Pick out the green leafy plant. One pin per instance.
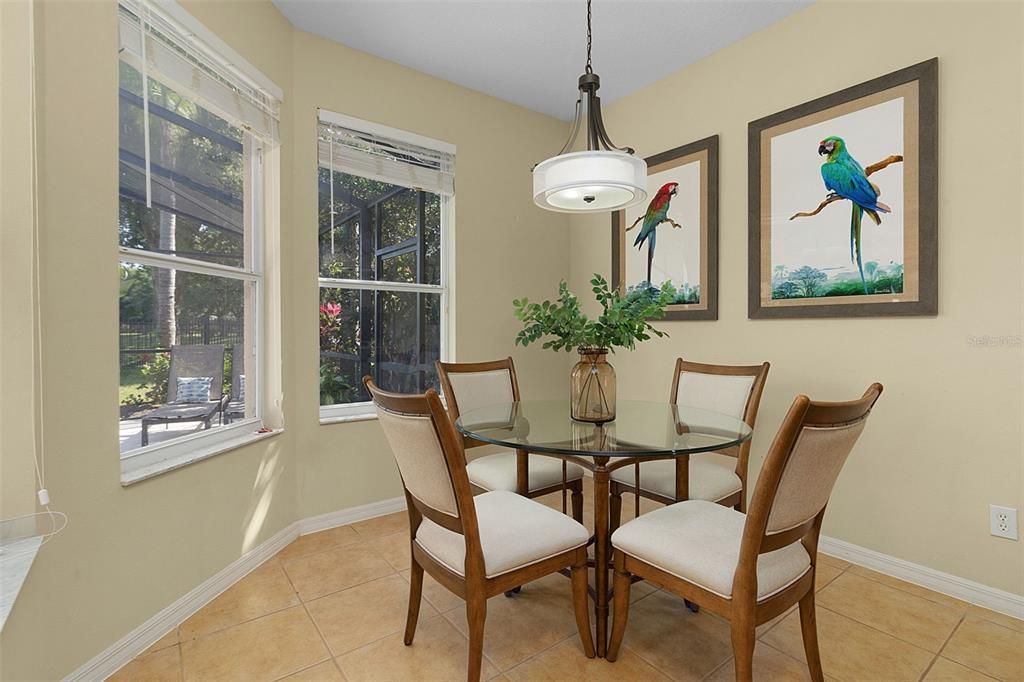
(333, 387)
(624, 320)
(157, 373)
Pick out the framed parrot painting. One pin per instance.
(842, 202)
(672, 239)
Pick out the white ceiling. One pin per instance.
(531, 52)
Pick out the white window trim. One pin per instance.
(143, 463)
(354, 412)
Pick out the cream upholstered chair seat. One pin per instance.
(498, 471)
(538, 532)
(712, 477)
(699, 541)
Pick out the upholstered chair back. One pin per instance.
(802, 466)
(420, 459)
(811, 472)
(428, 453)
(734, 390)
(715, 392)
(472, 385)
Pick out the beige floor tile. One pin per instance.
(682, 644)
(265, 590)
(357, 616)
(263, 649)
(1001, 618)
(824, 573)
(769, 664)
(438, 596)
(852, 650)
(160, 666)
(394, 548)
(439, 652)
(923, 592)
(537, 618)
(170, 639)
(318, 542)
(834, 561)
(913, 619)
(382, 525)
(989, 648)
(321, 672)
(566, 662)
(316, 575)
(945, 670)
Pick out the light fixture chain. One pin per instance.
(589, 39)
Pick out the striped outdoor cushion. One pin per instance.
(193, 390)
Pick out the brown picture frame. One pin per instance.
(705, 150)
(923, 78)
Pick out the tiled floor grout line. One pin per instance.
(946, 643)
(536, 655)
(327, 647)
(872, 627)
(444, 615)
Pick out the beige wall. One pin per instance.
(945, 439)
(128, 552)
(17, 426)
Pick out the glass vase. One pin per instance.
(592, 387)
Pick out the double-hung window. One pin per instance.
(384, 226)
(195, 129)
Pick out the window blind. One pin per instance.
(377, 155)
(155, 44)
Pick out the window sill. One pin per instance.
(364, 417)
(134, 474)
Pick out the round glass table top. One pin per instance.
(640, 429)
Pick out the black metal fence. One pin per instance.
(137, 339)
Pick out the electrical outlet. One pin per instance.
(1003, 521)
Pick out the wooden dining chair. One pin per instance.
(712, 476)
(473, 385)
(749, 568)
(477, 547)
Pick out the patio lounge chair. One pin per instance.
(190, 361)
(235, 408)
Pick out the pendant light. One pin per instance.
(602, 178)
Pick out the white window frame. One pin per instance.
(349, 412)
(151, 460)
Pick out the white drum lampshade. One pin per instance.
(590, 181)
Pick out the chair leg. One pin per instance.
(476, 614)
(743, 649)
(415, 597)
(620, 607)
(581, 605)
(809, 630)
(577, 501)
(614, 507)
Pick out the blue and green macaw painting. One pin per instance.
(845, 179)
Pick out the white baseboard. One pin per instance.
(114, 657)
(343, 517)
(946, 583)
